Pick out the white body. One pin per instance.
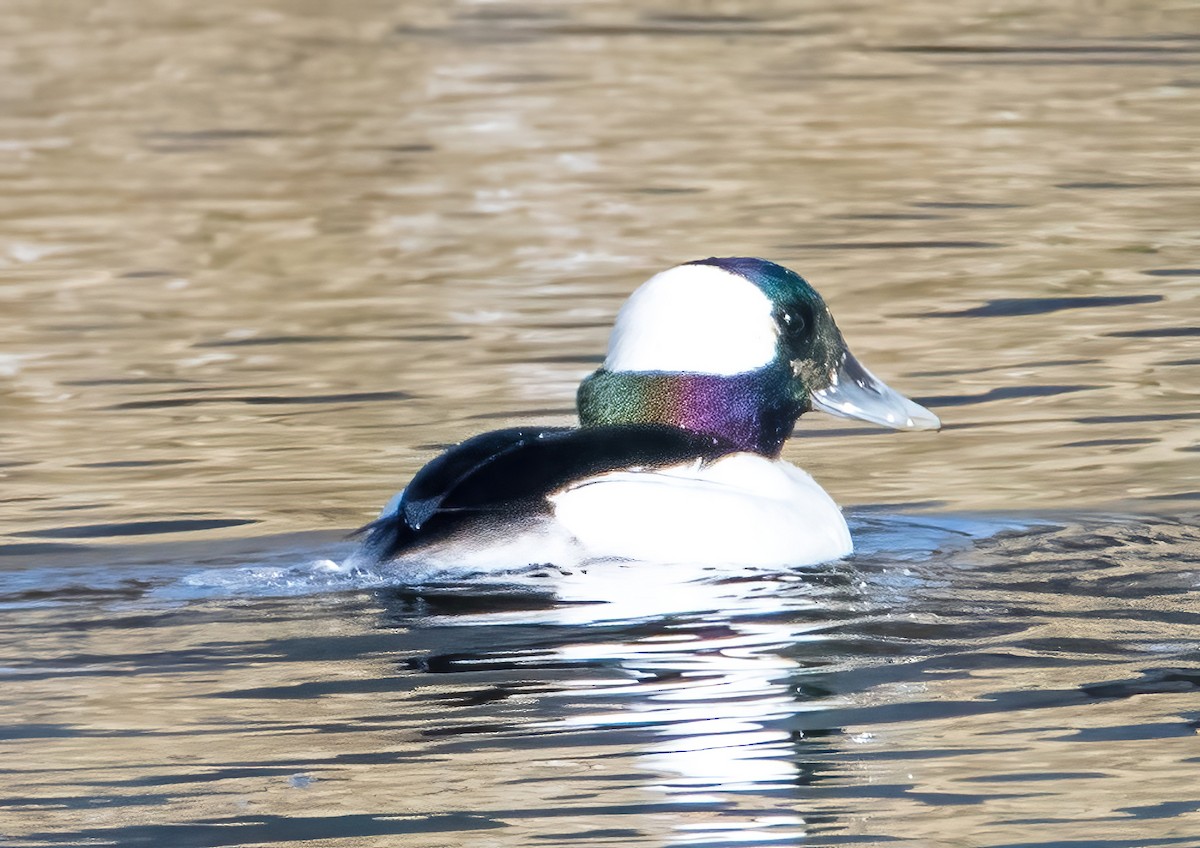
(741, 510)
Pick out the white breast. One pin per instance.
(743, 509)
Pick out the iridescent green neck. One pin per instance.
(756, 410)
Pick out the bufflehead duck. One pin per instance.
(709, 366)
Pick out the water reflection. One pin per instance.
(703, 673)
(781, 708)
(713, 704)
(959, 674)
(697, 701)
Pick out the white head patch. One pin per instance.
(698, 319)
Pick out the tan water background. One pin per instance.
(258, 259)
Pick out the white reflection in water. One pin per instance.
(714, 704)
(716, 698)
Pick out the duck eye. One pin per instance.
(793, 322)
(789, 321)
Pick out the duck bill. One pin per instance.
(855, 392)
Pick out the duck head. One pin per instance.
(738, 348)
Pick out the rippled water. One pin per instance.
(257, 264)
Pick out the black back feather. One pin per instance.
(508, 474)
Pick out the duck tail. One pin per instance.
(382, 538)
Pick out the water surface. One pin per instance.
(258, 264)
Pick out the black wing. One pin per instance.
(506, 474)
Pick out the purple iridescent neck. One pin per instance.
(754, 410)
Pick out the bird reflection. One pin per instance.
(705, 682)
(707, 679)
